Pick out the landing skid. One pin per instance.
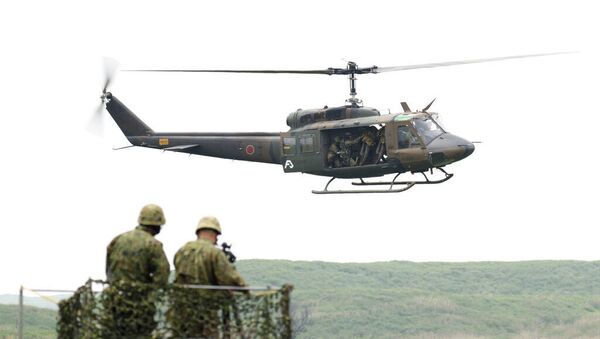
(391, 189)
(447, 177)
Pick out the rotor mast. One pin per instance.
(353, 100)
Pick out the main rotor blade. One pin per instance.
(351, 69)
(459, 62)
(269, 71)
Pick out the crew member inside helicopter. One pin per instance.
(406, 138)
(366, 141)
(380, 150)
(333, 153)
(364, 149)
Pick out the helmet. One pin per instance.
(210, 223)
(152, 215)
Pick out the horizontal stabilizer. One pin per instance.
(180, 147)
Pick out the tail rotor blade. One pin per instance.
(110, 69)
(96, 123)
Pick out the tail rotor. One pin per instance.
(96, 123)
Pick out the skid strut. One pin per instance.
(447, 177)
(391, 189)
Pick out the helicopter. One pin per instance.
(343, 142)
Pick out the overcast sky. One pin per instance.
(528, 192)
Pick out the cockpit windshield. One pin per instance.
(427, 129)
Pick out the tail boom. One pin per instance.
(257, 147)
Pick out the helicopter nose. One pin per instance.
(469, 149)
(449, 148)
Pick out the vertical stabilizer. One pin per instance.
(128, 122)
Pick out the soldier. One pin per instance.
(333, 158)
(136, 266)
(380, 149)
(366, 141)
(135, 255)
(199, 262)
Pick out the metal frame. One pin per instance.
(427, 181)
(21, 319)
(407, 184)
(389, 190)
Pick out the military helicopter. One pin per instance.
(348, 142)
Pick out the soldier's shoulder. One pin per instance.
(123, 236)
(189, 245)
(136, 236)
(153, 241)
(208, 249)
(208, 246)
(216, 253)
(141, 234)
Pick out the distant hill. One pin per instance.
(542, 299)
(13, 299)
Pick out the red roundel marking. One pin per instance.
(250, 149)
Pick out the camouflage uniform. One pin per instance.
(136, 256)
(367, 141)
(199, 262)
(381, 149)
(333, 154)
(136, 266)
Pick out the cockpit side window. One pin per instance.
(427, 129)
(406, 138)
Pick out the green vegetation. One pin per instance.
(553, 299)
(39, 323)
(537, 299)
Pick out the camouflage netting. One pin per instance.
(135, 310)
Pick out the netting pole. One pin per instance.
(20, 323)
(285, 310)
